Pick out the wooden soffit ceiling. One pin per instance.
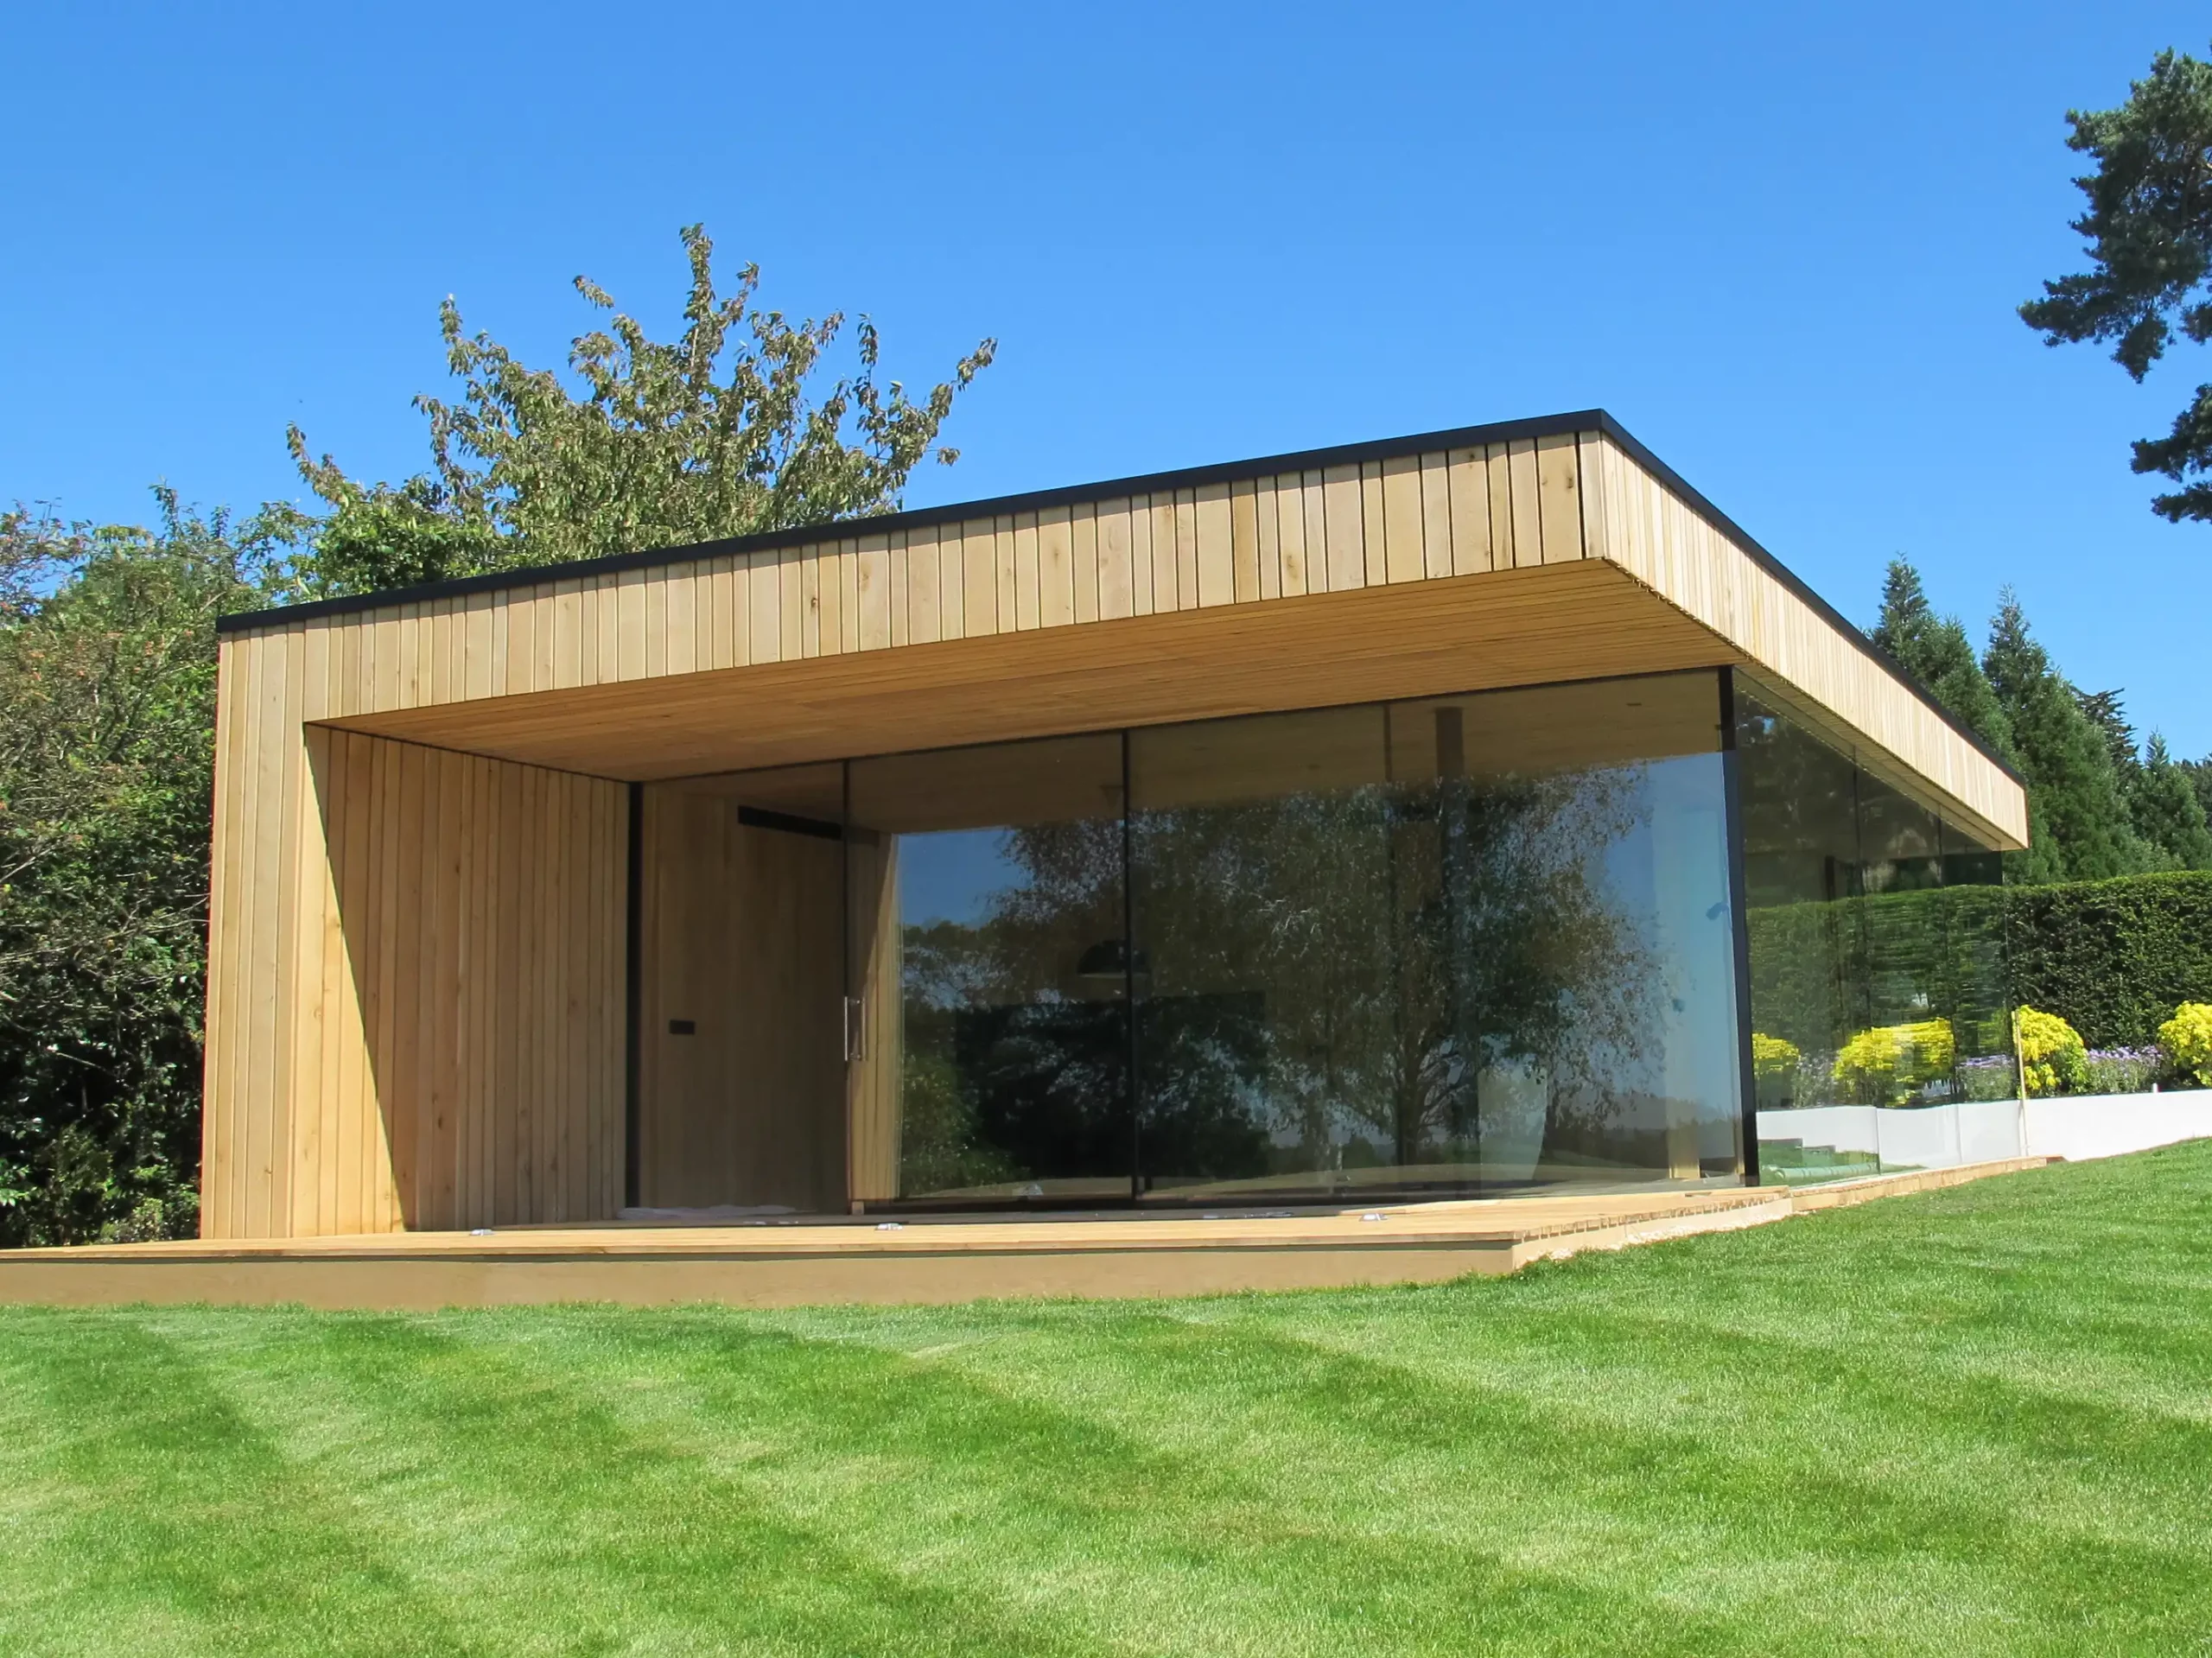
(1580, 620)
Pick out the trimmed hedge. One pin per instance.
(1822, 972)
(2112, 958)
(2115, 957)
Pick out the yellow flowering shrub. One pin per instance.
(1774, 1069)
(2187, 1039)
(1774, 1058)
(1885, 1065)
(2052, 1056)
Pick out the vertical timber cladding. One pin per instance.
(751, 1001)
(415, 972)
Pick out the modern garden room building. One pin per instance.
(1469, 815)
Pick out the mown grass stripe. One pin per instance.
(170, 1521)
(1971, 1421)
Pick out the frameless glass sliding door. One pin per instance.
(1461, 945)
(1472, 944)
(1000, 871)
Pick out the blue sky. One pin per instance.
(1782, 243)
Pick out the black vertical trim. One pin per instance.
(633, 952)
(1130, 975)
(1731, 769)
(845, 985)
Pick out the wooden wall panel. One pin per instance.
(1435, 516)
(1587, 617)
(1470, 496)
(1558, 506)
(740, 942)
(414, 973)
(1373, 530)
(1403, 553)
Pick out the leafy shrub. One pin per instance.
(156, 1218)
(1991, 1076)
(1773, 1057)
(2052, 1056)
(107, 695)
(1774, 1064)
(1887, 1064)
(2186, 1040)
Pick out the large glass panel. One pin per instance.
(1881, 1029)
(1467, 944)
(987, 888)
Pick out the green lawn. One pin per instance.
(1975, 1421)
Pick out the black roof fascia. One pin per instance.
(1584, 420)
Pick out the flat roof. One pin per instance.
(1570, 423)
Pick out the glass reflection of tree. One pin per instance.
(1015, 1061)
(1322, 978)
(1356, 959)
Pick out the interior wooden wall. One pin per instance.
(415, 995)
(740, 939)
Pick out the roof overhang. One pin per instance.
(1535, 553)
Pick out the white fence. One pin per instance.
(2105, 1125)
(1979, 1131)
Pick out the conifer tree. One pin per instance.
(2163, 803)
(2199, 773)
(2148, 227)
(2109, 715)
(1935, 652)
(2068, 762)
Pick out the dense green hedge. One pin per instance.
(2114, 957)
(1821, 971)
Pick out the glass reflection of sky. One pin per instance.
(953, 876)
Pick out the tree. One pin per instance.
(2199, 773)
(2109, 715)
(378, 536)
(718, 433)
(2161, 798)
(107, 690)
(107, 680)
(2149, 230)
(1935, 652)
(2066, 759)
(2163, 804)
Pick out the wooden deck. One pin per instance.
(804, 1261)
